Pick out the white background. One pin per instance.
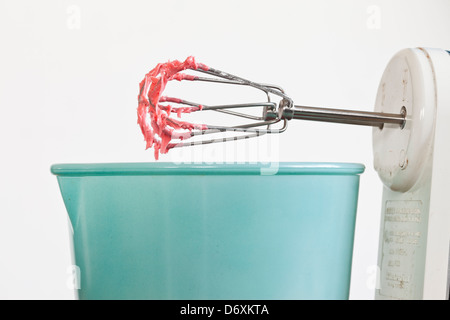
(69, 74)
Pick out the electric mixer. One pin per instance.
(410, 155)
(412, 163)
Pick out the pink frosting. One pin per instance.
(154, 119)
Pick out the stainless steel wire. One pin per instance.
(273, 113)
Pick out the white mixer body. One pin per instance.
(413, 164)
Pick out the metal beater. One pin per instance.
(273, 113)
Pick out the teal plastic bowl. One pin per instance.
(167, 231)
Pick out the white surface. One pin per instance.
(69, 73)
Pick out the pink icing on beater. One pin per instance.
(154, 118)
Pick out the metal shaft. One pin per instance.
(375, 119)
